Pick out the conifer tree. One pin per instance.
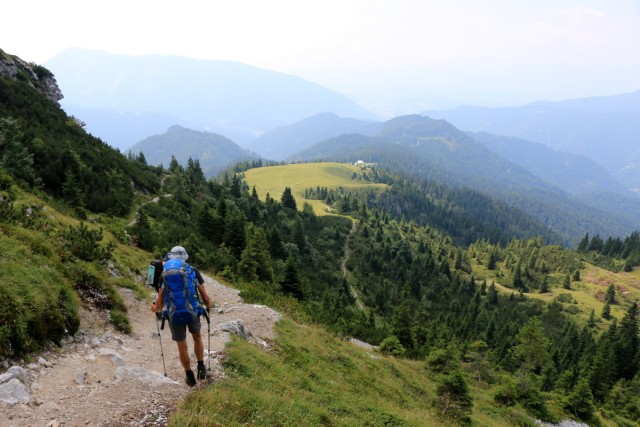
(255, 261)
(72, 191)
(291, 282)
(606, 311)
(174, 166)
(195, 177)
(236, 186)
(580, 401)
(592, 319)
(603, 369)
(287, 199)
(14, 156)
(234, 233)
(583, 246)
(141, 158)
(627, 343)
(403, 327)
(299, 237)
(453, 398)
(544, 286)
(610, 296)
(517, 282)
(533, 346)
(493, 294)
(492, 262)
(576, 275)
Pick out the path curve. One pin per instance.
(343, 263)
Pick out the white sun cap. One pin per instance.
(178, 252)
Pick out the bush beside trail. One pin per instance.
(37, 303)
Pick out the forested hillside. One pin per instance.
(437, 151)
(45, 149)
(214, 152)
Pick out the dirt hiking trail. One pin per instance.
(102, 377)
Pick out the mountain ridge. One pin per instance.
(213, 151)
(215, 95)
(437, 150)
(278, 143)
(603, 129)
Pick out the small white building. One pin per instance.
(359, 163)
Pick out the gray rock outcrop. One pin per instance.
(235, 327)
(34, 75)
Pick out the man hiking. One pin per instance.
(178, 295)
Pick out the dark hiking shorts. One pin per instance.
(179, 333)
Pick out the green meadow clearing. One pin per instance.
(274, 179)
(585, 295)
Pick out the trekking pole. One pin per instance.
(205, 313)
(161, 351)
(160, 337)
(206, 316)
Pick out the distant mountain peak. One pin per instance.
(230, 98)
(215, 152)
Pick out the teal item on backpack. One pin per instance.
(154, 272)
(180, 293)
(151, 271)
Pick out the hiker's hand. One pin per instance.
(154, 308)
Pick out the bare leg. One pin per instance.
(183, 351)
(198, 346)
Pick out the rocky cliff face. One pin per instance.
(34, 75)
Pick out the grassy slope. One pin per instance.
(313, 378)
(40, 264)
(298, 177)
(587, 294)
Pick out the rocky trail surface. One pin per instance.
(101, 377)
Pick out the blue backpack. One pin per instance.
(180, 294)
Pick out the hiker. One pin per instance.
(178, 327)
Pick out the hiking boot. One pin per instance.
(191, 379)
(202, 372)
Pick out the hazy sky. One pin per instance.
(391, 56)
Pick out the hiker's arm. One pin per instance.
(155, 307)
(203, 292)
(204, 295)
